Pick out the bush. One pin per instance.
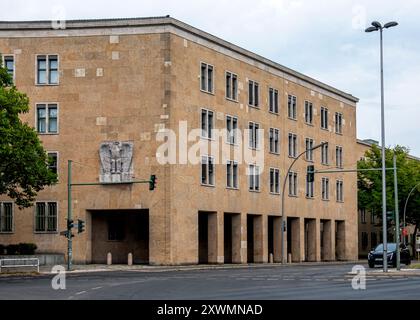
(12, 249)
(27, 248)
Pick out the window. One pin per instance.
(309, 188)
(362, 215)
(53, 158)
(373, 239)
(274, 181)
(365, 240)
(274, 140)
(206, 123)
(372, 217)
(338, 123)
(309, 144)
(231, 86)
(339, 191)
(324, 118)
(291, 106)
(253, 94)
(232, 174)
(254, 178)
(207, 171)
(46, 217)
(6, 217)
(47, 118)
(206, 78)
(116, 229)
(325, 187)
(339, 156)
(273, 103)
(292, 145)
(231, 128)
(47, 69)
(324, 154)
(9, 64)
(253, 135)
(309, 110)
(292, 184)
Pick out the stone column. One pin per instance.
(215, 237)
(340, 240)
(260, 239)
(297, 237)
(311, 239)
(327, 240)
(237, 234)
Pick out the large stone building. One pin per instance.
(104, 92)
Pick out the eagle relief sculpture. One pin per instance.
(116, 161)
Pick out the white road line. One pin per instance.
(81, 292)
(96, 288)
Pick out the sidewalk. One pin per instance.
(148, 268)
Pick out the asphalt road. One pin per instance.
(325, 282)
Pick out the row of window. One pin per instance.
(232, 180)
(207, 85)
(45, 217)
(46, 68)
(365, 240)
(207, 125)
(363, 216)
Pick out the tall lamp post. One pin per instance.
(405, 206)
(283, 218)
(376, 26)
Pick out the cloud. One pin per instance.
(322, 38)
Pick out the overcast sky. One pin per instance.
(321, 38)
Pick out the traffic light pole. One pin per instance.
(70, 184)
(69, 214)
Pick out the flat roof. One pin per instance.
(168, 21)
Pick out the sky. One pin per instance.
(324, 39)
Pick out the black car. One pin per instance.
(375, 257)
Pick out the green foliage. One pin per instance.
(21, 248)
(23, 161)
(370, 182)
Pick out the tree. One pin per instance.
(370, 183)
(24, 164)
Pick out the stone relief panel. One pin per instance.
(116, 161)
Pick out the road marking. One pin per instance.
(96, 288)
(81, 292)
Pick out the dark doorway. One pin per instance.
(120, 232)
(270, 233)
(203, 244)
(250, 238)
(228, 237)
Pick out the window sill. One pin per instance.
(207, 138)
(208, 92)
(232, 100)
(340, 201)
(293, 119)
(325, 200)
(254, 107)
(325, 129)
(46, 232)
(310, 198)
(208, 185)
(273, 113)
(232, 188)
(7, 232)
(311, 161)
(309, 124)
(48, 133)
(292, 196)
(47, 84)
(274, 153)
(255, 191)
(275, 193)
(339, 133)
(292, 157)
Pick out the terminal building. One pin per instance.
(110, 94)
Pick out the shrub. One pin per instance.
(27, 248)
(12, 249)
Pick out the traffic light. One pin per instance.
(152, 182)
(80, 226)
(390, 215)
(310, 173)
(70, 224)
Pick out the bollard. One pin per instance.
(130, 259)
(271, 258)
(109, 258)
(289, 258)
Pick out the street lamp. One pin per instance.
(405, 206)
(376, 26)
(283, 218)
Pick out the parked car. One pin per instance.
(375, 257)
